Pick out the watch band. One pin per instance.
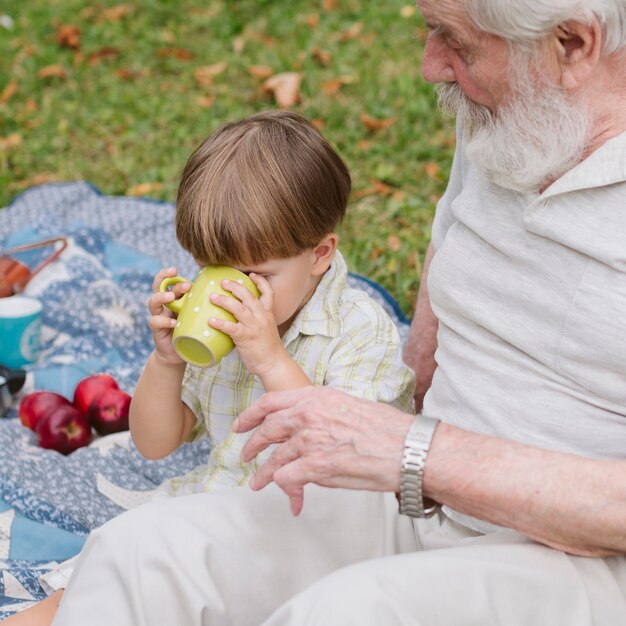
(416, 447)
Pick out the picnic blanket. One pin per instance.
(94, 320)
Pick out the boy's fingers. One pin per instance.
(157, 300)
(239, 291)
(267, 293)
(166, 272)
(225, 326)
(159, 322)
(232, 305)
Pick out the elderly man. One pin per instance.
(523, 435)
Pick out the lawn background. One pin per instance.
(120, 94)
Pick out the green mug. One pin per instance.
(193, 339)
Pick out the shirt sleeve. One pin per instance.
(367, 361)
(444, 216)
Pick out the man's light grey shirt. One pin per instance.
(530, 292)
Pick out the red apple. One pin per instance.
(38, 404)
(65, 429)
(88, 388)
(108, 412)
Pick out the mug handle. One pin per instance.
(176, 305)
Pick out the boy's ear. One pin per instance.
(324, 253)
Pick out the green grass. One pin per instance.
(133, 116)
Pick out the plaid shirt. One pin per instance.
(340, 338)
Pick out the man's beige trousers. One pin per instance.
(240, 558)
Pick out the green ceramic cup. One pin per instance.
(193, 339)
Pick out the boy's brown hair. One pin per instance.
(265, 187)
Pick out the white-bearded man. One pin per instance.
(522, 439)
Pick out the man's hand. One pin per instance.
(326, 437)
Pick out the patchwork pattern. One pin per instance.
(94, 320)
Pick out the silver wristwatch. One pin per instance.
(416, 447)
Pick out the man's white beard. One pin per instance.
(531, 141)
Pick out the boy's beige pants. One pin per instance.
(240, 558)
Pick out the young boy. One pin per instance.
(264, 195)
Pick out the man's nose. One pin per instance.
(436, 66)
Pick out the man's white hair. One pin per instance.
(525, 21)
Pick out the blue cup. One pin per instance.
(20, 330)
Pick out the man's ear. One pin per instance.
(578, 47)
(324, 253)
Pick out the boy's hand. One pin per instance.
(163, 320)
(255, 333)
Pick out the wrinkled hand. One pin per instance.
(326, 437)
(255, 332)
(162, 320)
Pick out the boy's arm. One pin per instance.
(285, 374)
(159, 420)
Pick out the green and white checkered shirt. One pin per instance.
(340, 338)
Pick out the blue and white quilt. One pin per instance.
(94, 320)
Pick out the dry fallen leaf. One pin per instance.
(177, 53)
(329, 5)
(117, 12)
(11, 141)
(239, 43)
(352, 33)
(323, 57)
(260, 71)
(144, 188)
(375, 253)
(394, 243)
(205, 102)
(127, 74)
(52, 71)
(285, 88)
(204, 75)
(363, 144)
(330, 87)
(37, 179)
(432, 170)
(317, 123)
(408, 10)
(68, 36)
(313, 21)
(373, 124)
(378, 188)
(102, 54)
(9, 91)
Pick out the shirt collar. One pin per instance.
(321, 314)
(604, 166)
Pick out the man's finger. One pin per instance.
(267, 404)
(275, 428)
(282, 455)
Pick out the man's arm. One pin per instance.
(419, 352)
(327, 437)
(565, 501)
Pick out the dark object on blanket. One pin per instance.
(11, 381)
(15, 275)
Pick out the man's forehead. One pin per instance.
(449, 13)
